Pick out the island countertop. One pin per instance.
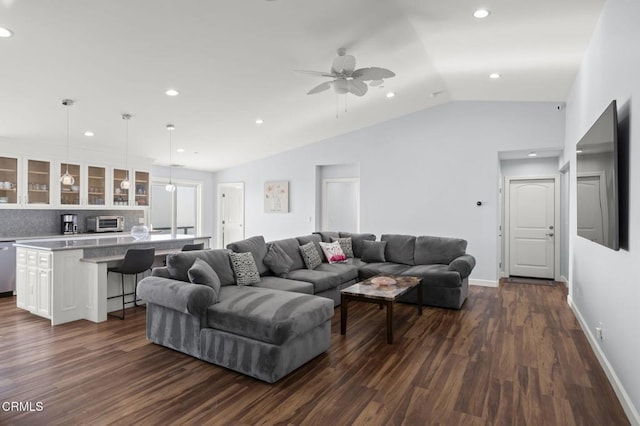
(102, 242)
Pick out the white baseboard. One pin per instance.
(621, 393)
(483, 283)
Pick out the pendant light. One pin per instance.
(170, 186)
(66, 178)
(126, 184)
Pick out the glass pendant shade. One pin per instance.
(170, 187)
(125, 183)
(67, 179)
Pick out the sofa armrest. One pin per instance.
(161, 271)
(178, 295)
(463, 265)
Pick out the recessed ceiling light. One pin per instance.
(259, 121)
(172, 92)
(89, 133)
(494, 75)
(180, 150)
(481, 13)
(532, 154)
(5, 32)
(390, 95)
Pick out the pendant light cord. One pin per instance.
(67, 105)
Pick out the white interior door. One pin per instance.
(230, 213)
(532, 228)
(592, 194)
(341, 204)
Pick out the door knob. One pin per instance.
(550, 234)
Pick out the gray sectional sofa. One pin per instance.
(268, 328)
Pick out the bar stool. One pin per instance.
(135, 262)
(192, 247)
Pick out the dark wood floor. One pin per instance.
(512, 356)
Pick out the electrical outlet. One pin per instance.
(599, 331)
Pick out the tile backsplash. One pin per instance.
(39, 223)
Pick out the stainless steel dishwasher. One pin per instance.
(7, 268)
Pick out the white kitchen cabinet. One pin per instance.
(33, 281)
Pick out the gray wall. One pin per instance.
(604, 283)
(420, 174)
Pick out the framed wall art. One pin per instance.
(276, 197)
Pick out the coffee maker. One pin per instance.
(69, 224)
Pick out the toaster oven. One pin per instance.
(105, 224)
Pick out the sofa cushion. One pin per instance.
(321, 280)
(291, 246)
(356, 241)
(346, 272)
(285, 284)
(178, 264)
(333, 252)
(311, 256)
(435, 275)
(400, 248)
(244, 267)
(380, 268)
(356, 262)
(267, 315)
(278, 260)
(373, 251)
(201, 273)
(256, 246)
(327, 236)
(345, 244)
(443, 250)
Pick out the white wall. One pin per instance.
(208, 193)
(420, 174)
(604, 283)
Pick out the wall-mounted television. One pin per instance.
(597, 177)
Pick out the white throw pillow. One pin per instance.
(333, 252)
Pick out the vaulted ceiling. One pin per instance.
(234, 62)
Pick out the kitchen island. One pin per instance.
(66, 279)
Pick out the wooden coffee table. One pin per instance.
(382, 290)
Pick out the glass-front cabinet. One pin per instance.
(120, 195)
(70, 194)
(142, 189)
(97, 186)
(38, 182)
(8, 180)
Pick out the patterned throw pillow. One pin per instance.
(333, 252)
(310, 255)
(345, 244)
(244, 268)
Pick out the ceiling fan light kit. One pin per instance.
(348, 79)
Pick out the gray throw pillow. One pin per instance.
(202, 273)
(278, 260)
(345, 244)
(373, 251)
(310, 255)
(244, 268)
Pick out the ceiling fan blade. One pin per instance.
(320, 88)
(357, 87)
(375, 83)
(343, 64)
(373, 73)
(316, 73)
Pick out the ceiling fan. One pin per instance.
(347, 79)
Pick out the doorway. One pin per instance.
(532, 206)
(341, 204)
(230, 213)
